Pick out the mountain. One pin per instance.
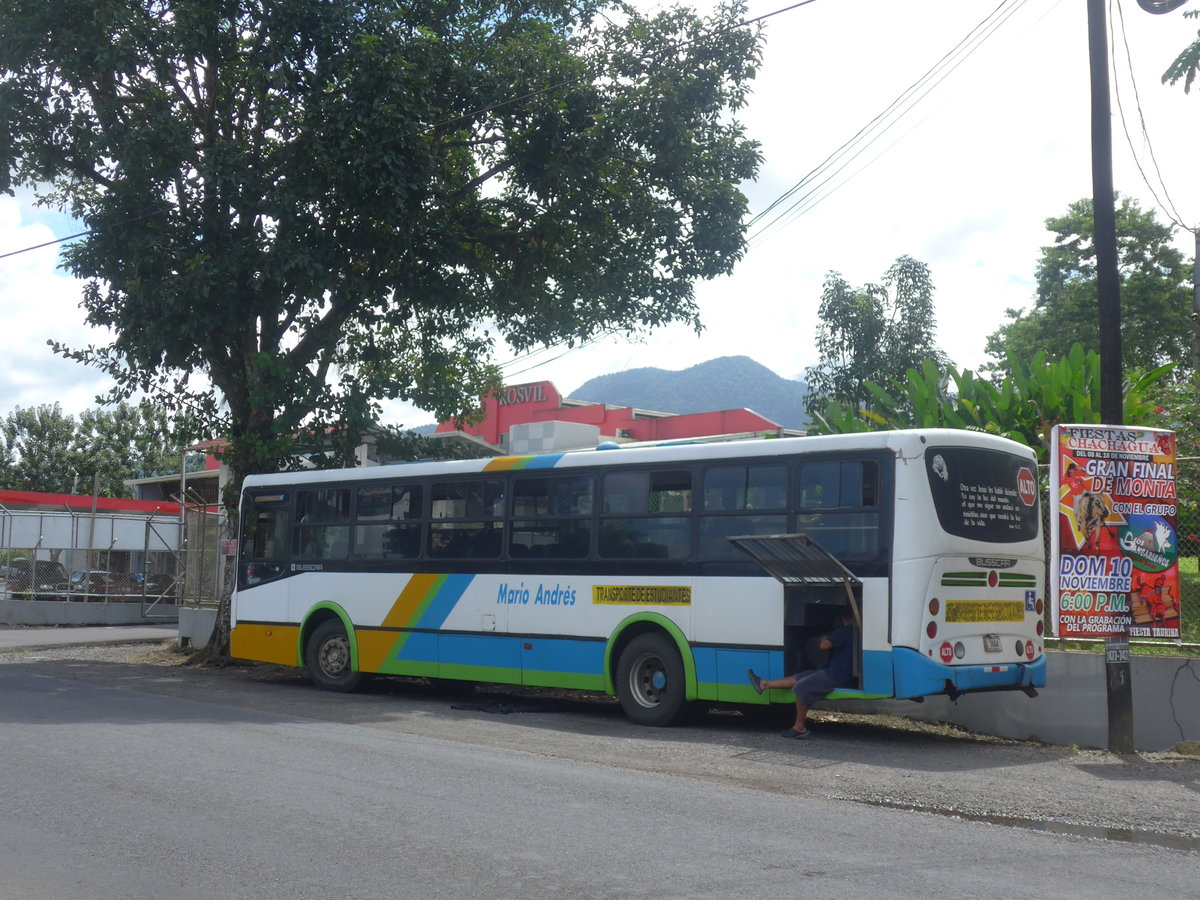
(730, 382)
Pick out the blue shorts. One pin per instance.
(813, 686)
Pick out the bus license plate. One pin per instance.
(991, 643)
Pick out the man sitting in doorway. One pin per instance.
(814, 685)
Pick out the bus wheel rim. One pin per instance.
(648, 680)
(335, 655)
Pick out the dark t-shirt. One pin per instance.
(841, 657)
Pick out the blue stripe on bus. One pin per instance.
(721, 672)
(564, 655)
(917, 676)
(419, 647)
(542, 461)
(444, 601)
(877, 672)
(501, 651)
(722, 668)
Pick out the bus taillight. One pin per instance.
(1040, 627)
(931, 629)
(993, 578)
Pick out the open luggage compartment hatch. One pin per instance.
(816, 584)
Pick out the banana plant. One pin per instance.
(1032, 398)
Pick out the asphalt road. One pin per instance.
(135, 780)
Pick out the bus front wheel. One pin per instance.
(650, 681)
(327, 656)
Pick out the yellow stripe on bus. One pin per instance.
(404, 609)
(374, 647)
(265, 643)
(985, 611)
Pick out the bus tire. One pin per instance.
(650, 681)
(327, 656)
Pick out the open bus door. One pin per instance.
(817, 591)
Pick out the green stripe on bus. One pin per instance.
(575, 680)
(494, 674)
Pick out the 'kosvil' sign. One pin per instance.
(522, 393)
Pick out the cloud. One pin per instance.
(40, 303)
(964, 180)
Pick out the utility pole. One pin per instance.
(1108, 290)
(1196, 303)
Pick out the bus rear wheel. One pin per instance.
(650, 682)
(327, 656)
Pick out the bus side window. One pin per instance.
(838, 506)
(552, 517)
(323, 523)
(388, 522)
(264, 540)
(467, 519)
(734, 495)
(652, 527)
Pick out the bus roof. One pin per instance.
(906, 443)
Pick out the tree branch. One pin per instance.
(470, 186)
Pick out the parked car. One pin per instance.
(157, 584)
(161, 585)
(100, 584)
(40, 579)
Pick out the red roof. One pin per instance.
(540, 401)
(77, 503)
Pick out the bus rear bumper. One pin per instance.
(916, 676)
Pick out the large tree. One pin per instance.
(44, 449)
(316, 204)
(39, 450)
(1156, 302)
(874, 333)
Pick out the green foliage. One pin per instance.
(1156, 302)
(871, 334)
(394, 444)
(1030, 400)
(44, 449)
(39, 450)
(1187, 64)
(1177, 408)
(299, 208)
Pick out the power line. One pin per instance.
(905, 102)
(566, 352)
(874, 121)
(60, 240)
(1168, 208)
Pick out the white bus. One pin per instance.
(613, 569)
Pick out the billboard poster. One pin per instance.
(1113, 546)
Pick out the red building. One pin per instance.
(535, 418)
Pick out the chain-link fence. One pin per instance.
(206, 555)
(89, 557)
(158, 561)
(1187, 526)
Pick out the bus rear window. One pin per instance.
(985, 495)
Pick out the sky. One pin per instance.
(963, 180)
